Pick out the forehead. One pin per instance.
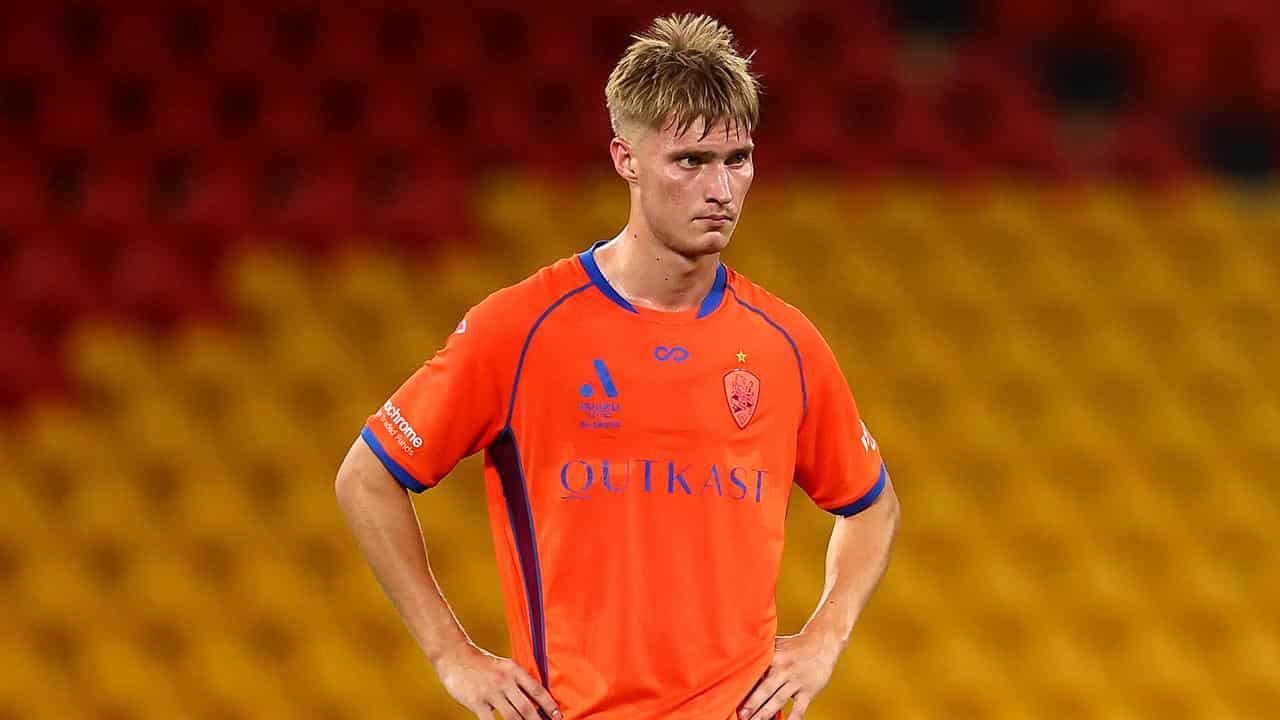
(723, 133)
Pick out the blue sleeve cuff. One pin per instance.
(867, 499)
(401, 475)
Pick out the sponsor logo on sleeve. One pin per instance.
(868, 442)
(399, 427)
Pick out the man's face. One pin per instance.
(691, 188)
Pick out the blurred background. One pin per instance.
(1042, 236)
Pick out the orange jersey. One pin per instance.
(638, 466)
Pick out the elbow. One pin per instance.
(353, 480)
(895, 514)
(892, 509)
(347, 485)
(361, 479)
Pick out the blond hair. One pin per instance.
(683, 68)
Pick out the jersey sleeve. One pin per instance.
(449, 409)
(838, 462)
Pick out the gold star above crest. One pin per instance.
(742, 357)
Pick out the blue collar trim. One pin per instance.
(588, 258)
(709, 304)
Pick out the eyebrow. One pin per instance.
(682, 152)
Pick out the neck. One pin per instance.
(649, 274)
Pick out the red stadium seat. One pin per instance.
(157, 284)
(396, 113)
(117, 190)
(47, 278)
(431, 201)
(135, 39)
(291, 115)
(76, 113)
(350, 44)
(922, 143)
(1028, 141)
(342, 106)
(1019, 25)
(1144, 148)
(183, 114)
(29, 40)
(237, 106)
(241, 40)
(558, 47)
(322, 201)
(220, 193)
(24, 198)
(989, 112)
(27, 369)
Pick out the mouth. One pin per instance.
(715, 218)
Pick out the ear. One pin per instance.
(624, 158)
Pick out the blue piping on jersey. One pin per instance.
(709, 303)
(804, 393)
(402, 476)
(528, 339)
(867, 498)
(506, 455)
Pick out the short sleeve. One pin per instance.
(449, 409)
(838, 462)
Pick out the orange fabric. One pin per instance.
(638, 490)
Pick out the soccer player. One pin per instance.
(644, 411)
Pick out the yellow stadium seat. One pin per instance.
(112, 363)
(270, 289)
(32, 686)
(228, 677)
(116, 673)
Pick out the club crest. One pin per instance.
(742, 391)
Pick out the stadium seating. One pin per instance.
(1046, 404)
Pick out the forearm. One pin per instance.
(857, 558)
(385, 525)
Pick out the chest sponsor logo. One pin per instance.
(599, 410)
(588, 478)
(675, 353)
(742, 392)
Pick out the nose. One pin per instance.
(717, 190)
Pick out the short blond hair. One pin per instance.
(683, 68)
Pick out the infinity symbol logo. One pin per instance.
(662, 353)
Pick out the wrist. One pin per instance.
(831, 636)
(445, 646)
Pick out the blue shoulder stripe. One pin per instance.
(804, 393)
(402, 476)
(867, 498)
(515, 385)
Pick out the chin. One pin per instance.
(709, 242)
(693, 245)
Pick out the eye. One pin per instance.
(688, 161)
(738, 158)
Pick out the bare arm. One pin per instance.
(386, 528)
(857, 557)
